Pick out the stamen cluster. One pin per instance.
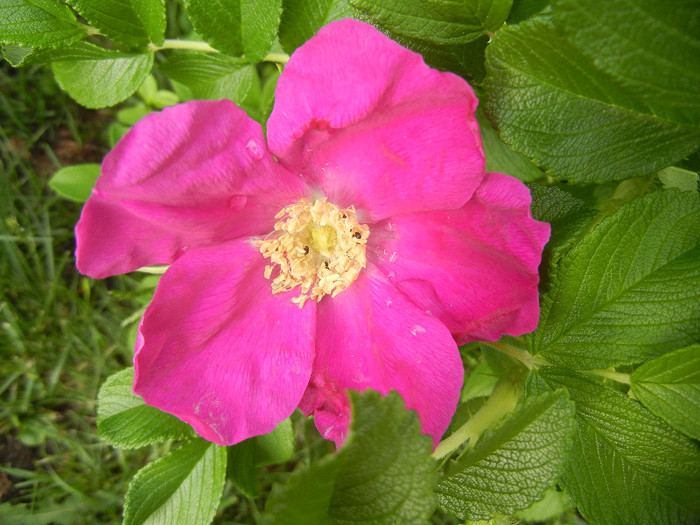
(317, 246)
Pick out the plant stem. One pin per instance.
(610, 374)
(521, 355)
(503, 399)
(195, 45)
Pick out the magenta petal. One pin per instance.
(372, 336)
(475, 268)
(192, 175)
(218, 350)
(366, 122)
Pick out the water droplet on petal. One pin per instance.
(255, 149)
(237, 202)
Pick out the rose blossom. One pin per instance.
(356, 252)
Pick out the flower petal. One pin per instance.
(219, 351)
(475, 268)
(192, 175)
(372, 336)
(366, 122)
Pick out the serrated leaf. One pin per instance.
(436, 22)
(75, 182)
(656, 54)
(549, 507)
(512, 466)
(670, 387)
(125, 421)
(237, 27)
(550, 102)
(210, 76)
(301, 19)
(24, 56)
(627, 465)
(103, 82)
(182, 488)
(269, 449)
(39, 23)
(130, 22)
(382, 475)
(500, 158)
(629, 290)
(479, 383)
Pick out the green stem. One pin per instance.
(503, 399)
(194, 45)
(610, 374)
(521, 355)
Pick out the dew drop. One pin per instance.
(255, 149)
(237, 202)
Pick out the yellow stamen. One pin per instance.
(317, 246)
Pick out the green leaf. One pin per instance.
(549, 507)
(237, 27)
(260, 20)
(500, 158)
(125, 421)
(670, 387)
(301, 19)
(182, 488)
(132, 114)
(39, 23)
(269, 449)
(512, 466)
(210, 76)
(75, 182)
(479, 383)
(550, 102)
(629, 290)
(436, 22)
(656, 55)
(684, 180)
(130, 22)
(382, 475)
(627, 465)
(106, 81)
(24, 56)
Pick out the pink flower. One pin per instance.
(359, 256)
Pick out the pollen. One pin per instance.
(317, 246)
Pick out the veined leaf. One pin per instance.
(131, 22)
(627, 465)
(125, 421)
(651, 46)
(549, 101)
(301, 19)
(182, 488)
(629, 290)
(38, 23)
(383, 474)
(106, 81)
(237, 27)
(211, 76)
(670, 387)
(513, 465)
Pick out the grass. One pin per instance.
(61, 332)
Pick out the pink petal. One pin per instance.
(192, 175)
(475, 268)
(372, 336)
(219, 351)
(366, 122)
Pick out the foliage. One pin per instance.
(593, 103)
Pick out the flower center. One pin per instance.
(317, 246)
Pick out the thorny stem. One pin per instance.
(521, 355)
(610, 374)
(503, 399)
(194, 45)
